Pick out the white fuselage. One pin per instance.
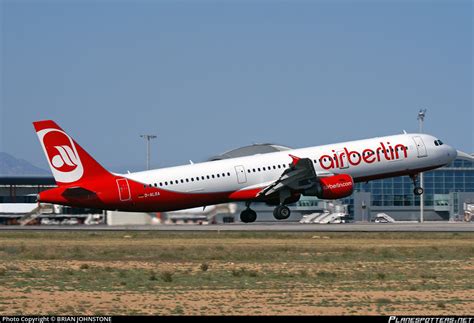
(364, 160)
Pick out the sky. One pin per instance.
(210, 76)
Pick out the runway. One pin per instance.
(275, 227)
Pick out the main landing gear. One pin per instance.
(281, 212)
(248, 215)
(418, 190)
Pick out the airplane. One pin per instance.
(278, 178)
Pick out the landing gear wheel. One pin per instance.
(248, 216)
(281, 212)
(418, 190)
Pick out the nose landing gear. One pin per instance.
(418, 190)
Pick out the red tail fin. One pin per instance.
(69, 162)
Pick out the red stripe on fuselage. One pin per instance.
(144, 198)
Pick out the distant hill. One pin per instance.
(12, 166)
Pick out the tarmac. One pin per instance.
(260, 226)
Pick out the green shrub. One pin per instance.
(204, 267)
(167, 276)
(153, 276)
(237, 272)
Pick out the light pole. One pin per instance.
(421, 118)
(148, 138)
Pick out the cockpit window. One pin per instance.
(438, 142)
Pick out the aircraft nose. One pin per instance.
(451, 152)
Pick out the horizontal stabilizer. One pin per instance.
(79, 193)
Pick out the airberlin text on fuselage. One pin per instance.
(341, 158)
(337, 185)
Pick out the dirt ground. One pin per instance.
(291, 299)
(393, 284)
(303, 301)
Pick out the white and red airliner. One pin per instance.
(278, 178)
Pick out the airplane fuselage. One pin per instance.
(239, 178)
(277, 178)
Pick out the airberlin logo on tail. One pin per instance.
(62, 155)
(66, 157)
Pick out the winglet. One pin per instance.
(295, 160)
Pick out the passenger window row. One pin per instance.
(190, 179)
(263, 169)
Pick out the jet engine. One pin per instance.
(332, 187)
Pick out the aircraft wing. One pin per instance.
(299, 176)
